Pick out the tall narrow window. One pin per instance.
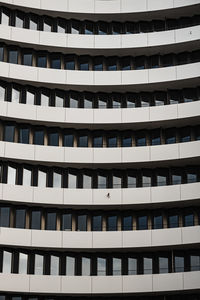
(11, 178)
(194, 262)
(42, 179)
(30, 98)
(2, 93)
(23, 135)
(117, 182)
(117, 266)
(7, 262)
(36, 219)
(142, 222)
(70, 265)
(23, 263)
(147, 265)
(102, 182)
(39, 137)
(39, 264)
(82, 223)
(59, 101)
(157, 222)
(27, 59)
(112, 223)
(4, 216)
(44, 99)
(57, 180)
(132, 266)
(27, 177)
(19, 20)
(96, 223)
(67, 222)
(131, 181)
(72, 181)
(53, 138)
(9, 133)
(15, 95)
(87, 182)
(163, 265)
(179, 264)
(51, 219)
(54, 263)
(20, 218)
(42, 60)
(5, 17)
(47, 25)
(127, 223)
(86, 266)
(101, 266)
(13, 56)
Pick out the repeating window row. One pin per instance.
(44, 23)
(46, 97)
(38, 218)
(31, 175)
(44, 59)
(98, 264)
(26, 134)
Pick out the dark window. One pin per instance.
(56, 62)
(36, 219)
(20, 216)
(47, 25)
(140, 62)
(33, 23)
(53, 139)
(142, 222)
(24, 135)
(154, 61)
(9, 132)
(157, 222)
(174, 97)
(185, 135)
(112, 64)
(73, 101)
(96, 223)
(82, 223)
(167, 60)
(161, 179)
(5, 216)
(155, 137)
(102, 28)
(125, 63)
(146, 180)
(131, 181)
(191, 177)
(147, 265)
(194, 262)
(188, 220)
(182, 58)
(173, 221)
(127, 223)
(171, 24)
(19, 20)
(112, 223)
(98, 64)
(27, 59)
(61, 26)
(101, 182)
(116, 28)
(51, 221)
(179, 264)
(88, 102)
(160, 99)
(132, 266)
(42, 60)
(83, 141)
(140, 139)
(39, 137)
(159, 25)
(2, 93)
(75, 25)
(97, 141)
(145, 26)
(170, 136)
(68, 140)
(13, 56)
(88, 28)
(112, 141)
(176, 178)
(1, 53)
(69, 63)
(67, 222)
(163, 265)
(84, 64)
(126, 141)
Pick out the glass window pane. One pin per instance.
(73, 102)
(82, 223)
(42, 61)
(101, 266)
(102, 182)
(68, 140)
(27, 176)
(98, 141)
(188, 220)
(24, 135)
(67, 222)
(42, 179)
(194, 262)
(163, 265)
(2, 93)
(83, 141)
(4, 216)
(54, 270)
(7, 262)
(11, 178)
(39, 263)
(157, 222)
(117, 266)
(36, 219)
(86, 266)
(39, 137)
(20, 217)
(44, 100)
(51, 221)
(9, 132)
(191, 177)
(131, 181)
(140, 141)
(47, 25)
(127, 223)
(142, 223)
(112, 142)
(179, 264)
(173, 221)
(53, 139)
(148, 265)
(146, 181)
(23, 263)
(70, 266)
(117, 182)
(112, 223)
(15, 95)
(30, 98)
(5, 18)
(87, 182)
(19, 21)
(126, 142)
(13, 56)
(72, 180)
(176, 179)
(27, 59)
(57, 180)
(70, 65)
(1, 53)
(161, 180)
(59, 101)
(96, 223)
(132, 266)
(33, 23)
(56, 63)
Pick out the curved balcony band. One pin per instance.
(138, 239)
(186, 152)
(143, 43)
(98, 7)
(178, 195)
(106, 80)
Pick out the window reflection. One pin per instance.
(38, 267)
(7, 262)
(101, 266)
(11, 178)
(23, 263)
(86, 266)
(54, 263)
(70, 266)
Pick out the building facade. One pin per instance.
(99, 149)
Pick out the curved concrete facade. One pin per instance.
(169, 207)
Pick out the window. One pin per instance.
(155, 137)
(112, 141)
(88, 28)
(170, 136)
(188, 220)
(2, 93)
(24, 135)
(154, 61)
(53, 138)
(81, 223)
(42, 60)
(126, 141)
(13, 56)
(54, 269)
(75, 25)
(194, 262)
(56, 62)
(44, 100)
(11, 177)
(97, 141)
(23, 263)
(69, 63)
(131, 181)
(15, 95)
(125, 63)
(47, 25)
(36, 219)
(101, 266)
(88, 102)
(86, 262)
(163, 265)
(111, 64)
(73, 101)
(98, 63)
(116, 28)
(176, 178)
(70, 265)
(167, 60)
(191, 177)
(39, 264)
(83, 141)
(132, 266)
(117, 182)
(116, 103)
(7, 262)
(84, 64)
(160, 99)
(20, 218)
(19, 20)
(142, 222)
(51, 221)
(30, 98)
(157, 222)
(33, 23)
(96, 223)
(4, 216)
(68, 140)
(87, 182)
(102, 102)
(116, 266)
(140, 139)
(161, 179)
(102, 182)
(174, 97)
(5, 17)
(185, 135)
(27, 59)
(59, 101)
(61, 26)
(102, 28)
(127, 223)
(147, 265)
(179, 264)
(9, 133)
(39, 137)
(67, 222)
(146, 180)
(1, 53)
(72, 181)
(42, 179)
(140, 63)
(112, 223)
(57, 180)
(173, 221)
(130, 101)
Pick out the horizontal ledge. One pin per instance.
(138, 239)
(98, 118)
(99, 43)
(100, 156)
(96, 198)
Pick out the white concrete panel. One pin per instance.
(48, 284)
(80, 41)
(2, 149)
(168, 282)
(107, 78)
(164, 152)
(134, 40)
(3, 108)
(19, 151)
(1, 191)
(166, 237)
(48, 39)
(80, 6)
(161, 38)
(107, 41)
(50, 114)
(51, 75)
(135, 154)
(46, 238)
(107, 155)
(105, 7)
(78, 197)
(15, 237)
(5, 32)
(108, 239)
(161, 194)
(80, 77)
(159, 4)
(191, 235)
(23, 72)
(14, 283)
(160, 113)
(188, 71)
(48, 195)
(190, 149)
(136, 196)
(27, 3)
(21, 111)
(17, 193)
(76, 284)
(190, 191)
(133, 115)
(187, 34)
(107, 197)
(133, 5)
(162, 74)
(107, 116)
(136, 239)
(137, 284)
(191, 280)
(180, 3)
(4, 69)
(135, 77)
(26, 35)
(79, 116)
(79, 155)
(60, 5)
(78, 239)
(102, 285)
(188, 110)
(49, 153)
